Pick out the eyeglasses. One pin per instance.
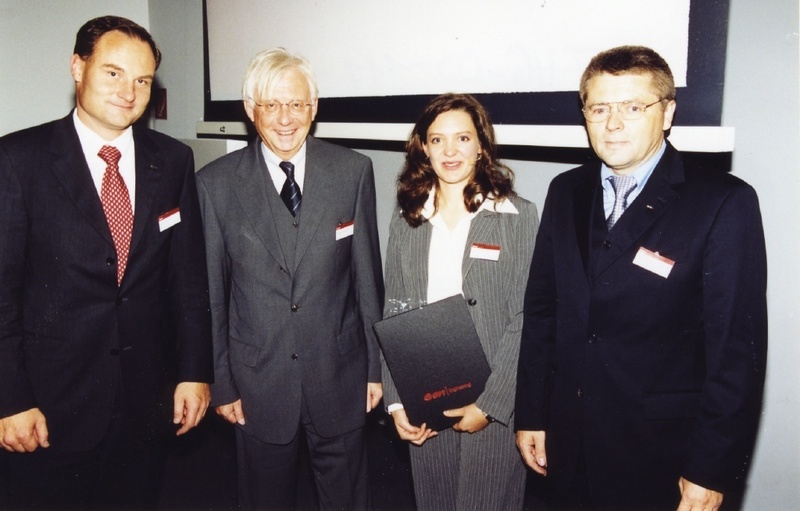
(296, 107)
(628, 110)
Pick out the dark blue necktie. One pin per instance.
(290, 193)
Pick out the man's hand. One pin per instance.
(374, 395)
(531, 446)
(232, 412)
(472, 418)
(415, 435)
(190, 404)
(697, 498)
(24, 432)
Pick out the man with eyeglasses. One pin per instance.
(643, 349)
(295, 286)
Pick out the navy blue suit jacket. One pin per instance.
(649, 378)
(72, 342)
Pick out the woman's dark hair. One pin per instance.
(94, 29)
(491, 178)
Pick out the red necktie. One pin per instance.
(117, 207)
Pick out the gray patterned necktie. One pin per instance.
(623, 186)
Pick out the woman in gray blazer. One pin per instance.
(461, 228)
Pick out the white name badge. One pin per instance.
(485, 251)
(169, 219)
(344, 230)
(654, 262)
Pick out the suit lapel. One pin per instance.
(251, 185)
(481, 230)
(319, 185)
(415, 262)
(656, 198)
(148, 176)
(584, 206)
(71, 169)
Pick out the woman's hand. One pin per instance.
(415, 435)
(472, 418)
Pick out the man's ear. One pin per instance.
(248, 108)
(76, 66)
(669, 113)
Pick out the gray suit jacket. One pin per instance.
(494, 291)
(280, 331)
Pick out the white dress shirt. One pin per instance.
(91, 143)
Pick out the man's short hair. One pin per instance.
(92, 30)
(636, 60)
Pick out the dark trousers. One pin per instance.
(268, 473)
(122, 472)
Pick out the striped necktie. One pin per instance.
(290, 193)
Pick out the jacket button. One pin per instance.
(580, 393)
(592, 339)
(295, 307)
(295, 356)
(472, 301)
(606, 244)
(110, 261)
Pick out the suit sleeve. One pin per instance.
(187, 266)
(16, 395)
(538, 329)
(393, 291)
(367, 267)
(224, 390)
(497, 398)
(735, 325)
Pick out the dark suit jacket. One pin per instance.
(282, 330)
(71, 340)
(654, 378)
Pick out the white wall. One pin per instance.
(36, 42)
(761, 101)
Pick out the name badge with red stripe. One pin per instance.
(169, 219)
(485, 251)
(344, 230)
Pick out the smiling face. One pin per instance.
(112, 87)
(284, 132)
(624, 145)
(453, 147)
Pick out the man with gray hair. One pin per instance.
(295, 285)
(644, 341)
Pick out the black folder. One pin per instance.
(436, 360)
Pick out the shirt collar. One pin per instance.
(92, 142)
(641, 174)
(271, 158)
(490, 204)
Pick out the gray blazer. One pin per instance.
(494, 291)
(280, 330)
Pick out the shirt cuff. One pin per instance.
(394, 407)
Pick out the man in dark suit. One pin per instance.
(296, 285)
(104, 322)
(644, 341)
